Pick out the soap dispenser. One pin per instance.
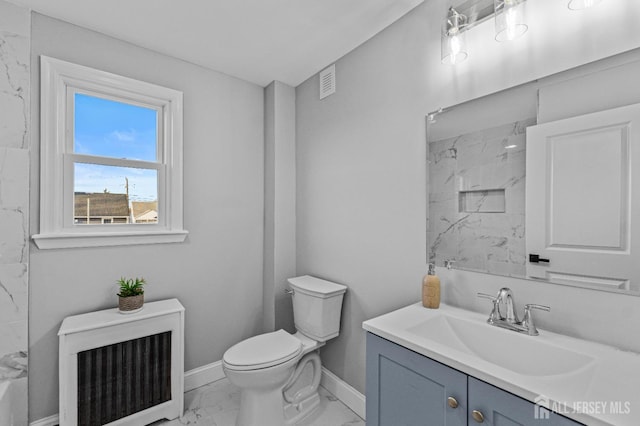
(431, 289)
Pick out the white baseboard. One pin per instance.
(344, 392)
(213, 372)
(47, 421)
(203, 375)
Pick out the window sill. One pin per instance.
(73, 240)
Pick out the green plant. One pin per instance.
(131, 287)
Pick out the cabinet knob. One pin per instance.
(477, 416)
(453, 403)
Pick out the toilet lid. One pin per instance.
(262, 351)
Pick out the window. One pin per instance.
(111, 159)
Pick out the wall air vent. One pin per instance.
(328, 81)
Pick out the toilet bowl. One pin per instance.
(268, 368)
(261, 366)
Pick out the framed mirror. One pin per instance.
(537, 181)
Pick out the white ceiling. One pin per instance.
(255, 40)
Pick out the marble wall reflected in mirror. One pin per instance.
(477, 199)
(477, 156)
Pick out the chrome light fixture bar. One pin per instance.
(465, 14)
(454, 42)
(509, 17)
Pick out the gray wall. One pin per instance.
(217, 272)
(279, 205)
(361, 168)
(361, 192)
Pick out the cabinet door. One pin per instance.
(500, 408)
(407, 389)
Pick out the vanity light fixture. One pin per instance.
(454, 45)
(510, 19)
(582, 4)
(462, 15)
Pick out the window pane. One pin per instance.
(114, 129)
(109, 194)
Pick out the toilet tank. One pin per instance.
(317, 305)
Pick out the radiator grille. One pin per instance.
(118, 380)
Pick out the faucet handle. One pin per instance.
(494, 312)
(527, 321)
(534, 306)
(487, 296)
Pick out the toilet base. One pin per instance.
(296, 412)
(260, 408)
(299, 401)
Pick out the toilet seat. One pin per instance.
(262, 351)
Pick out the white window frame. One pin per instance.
(59, 81)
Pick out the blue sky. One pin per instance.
(113, 129)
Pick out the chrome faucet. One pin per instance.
(504, 313)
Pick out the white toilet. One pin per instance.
(268, 368)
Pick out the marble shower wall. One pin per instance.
(486, 233)
(14, 201)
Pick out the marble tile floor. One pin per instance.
(217, 403)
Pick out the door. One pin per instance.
(405, 388)
(579, 208)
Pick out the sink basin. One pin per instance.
(564, 370)
(519, 353)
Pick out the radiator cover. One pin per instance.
(120, 369)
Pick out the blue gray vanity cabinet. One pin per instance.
(405, 388)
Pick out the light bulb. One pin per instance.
(453, 38)
(455, 47)
(512, 23)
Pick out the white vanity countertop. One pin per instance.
(603, 391)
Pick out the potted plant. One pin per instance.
(131, 296)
